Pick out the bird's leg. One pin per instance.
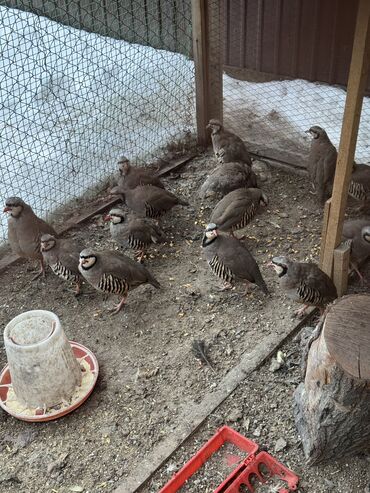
(248, 285)
(299, 313)
(139, 254)
(118, 307)
(226, 286)
(362, 279)
(237, 237)
(41, 272)
(78, 288)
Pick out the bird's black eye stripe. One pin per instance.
(85, 257)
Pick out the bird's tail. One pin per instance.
(262, 285)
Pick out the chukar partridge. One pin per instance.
(321, 163)
(230, 260)
(151, 201)
(25, 230)
(359, 187)
(304, 283)
(114, 273)
(131, 176)
(62, 256)
(237, 209)
(131, 231)
(357, 233)
(227, 146)
(228, 177)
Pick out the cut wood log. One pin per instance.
(332, 406)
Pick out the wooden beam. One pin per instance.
(324, 229)
(215, 58)
(355, 90)
(340, 270)
(206, 22)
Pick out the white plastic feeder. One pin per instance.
(44, 371)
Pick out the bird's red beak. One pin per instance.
(107, 218)
(6, 209)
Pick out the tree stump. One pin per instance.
(332, 406)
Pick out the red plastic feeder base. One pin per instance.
(252, 471)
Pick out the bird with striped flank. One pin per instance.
(62, 256)
(356, 233)
(228, 177)
(113, 273)
(230, 260)
(237, 209)
(151, 201)
(227, 146)
(132, 231)
(304, 282)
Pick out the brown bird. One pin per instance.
(227, 146)
(237, 209)
(63, 257)
(130, 177)
(304, 283)
(230, 260)
(151, 201)
(114, 273)
(356, 232)
(25, 230)
(228, 177)
(359, 187)
(131, 231)
(321, 163)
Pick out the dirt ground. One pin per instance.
(148, 373)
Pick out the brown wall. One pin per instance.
(308, 39)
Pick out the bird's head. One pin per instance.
(14, 205)
(87, 258)
(280, 264)
(365, 232)
(215, 126)
(115, 216)
(124, 165)
(316, 132)
(47, 242)
(210, 234)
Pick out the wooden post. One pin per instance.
(207, 49)
(356, 85)
(324, 229)
(341, 266)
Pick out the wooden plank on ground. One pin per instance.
(193, 415)
(356, 86)
(340, 270)
(174, 165)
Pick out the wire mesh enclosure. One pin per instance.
(285, 65)
(74, 101)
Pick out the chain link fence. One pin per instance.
(284, 65)
(73, 101)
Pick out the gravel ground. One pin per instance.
(261, 410)
(148, 374)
